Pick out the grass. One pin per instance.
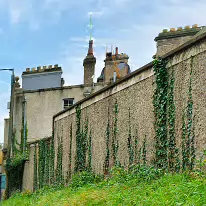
(121, 189)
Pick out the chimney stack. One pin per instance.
(116, 51)
(90, 50)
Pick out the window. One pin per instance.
(68, 102)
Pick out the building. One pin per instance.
(43, 94)
(35, 105)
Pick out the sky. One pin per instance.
(43, 32)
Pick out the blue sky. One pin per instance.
(43, 32)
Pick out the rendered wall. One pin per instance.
(41, 106)
(136, 93)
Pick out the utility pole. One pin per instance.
(11, 111)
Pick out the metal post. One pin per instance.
(11, 114)
(24, 123)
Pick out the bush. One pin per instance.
(83, 178)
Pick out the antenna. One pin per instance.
(90, 26)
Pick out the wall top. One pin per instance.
(179, 32)
(43, 69)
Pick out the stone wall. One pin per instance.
(136, 92)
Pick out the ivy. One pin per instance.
(136, 147)
(144, 151)
(41, 161)
(59, 175)
(106, 162)
(129, 143)
(173, 159)
(184, 155)
(115, 142)
(78, 159)
(160, 111)
(90, 152)
(35, 184)
(14, 168)
(46, 164)
(70, 153)
(52, 159)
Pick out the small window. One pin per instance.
(68, 102)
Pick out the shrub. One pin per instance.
(83, 178)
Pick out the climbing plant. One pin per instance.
(78, 158)
(35, 184)
(160, 111)
(172, 150)
(46, 164)
(70, 153)
(89, 167)
(106, 162)
(184, 155)
(41, 162)
(52, 159)
(115, 143)
(144, 151)
(136, 147)
(59, 174)
(129, 143)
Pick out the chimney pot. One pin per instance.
(33, 69)
(44, 67)
(27, 69)
(56, 66)
(50, 66)
(164, 30)
(179, 29)
(172, 29)
(90, 50)
(116, 51)
(38, 68)
(187, 27)
(195, 26)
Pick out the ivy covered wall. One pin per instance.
(125, 133)
(121, 125)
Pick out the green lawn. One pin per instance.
(178, 189)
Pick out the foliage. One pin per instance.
(106, 162)
(70, 153)
(144, 151)
(14, 173)
(172, 150)
(143, 186)
(79, 166)
(160, 111)
(129, 143)
(115, 142)
(82, 178)
(188, 135)
(41, 163)
(52, 159)
(89, 167)
(59, 172)
(35, 186)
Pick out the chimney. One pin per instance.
(116, 51)
(168, 40)
(90, 50)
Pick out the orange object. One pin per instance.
(116, 69)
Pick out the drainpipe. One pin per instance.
(24, 123)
